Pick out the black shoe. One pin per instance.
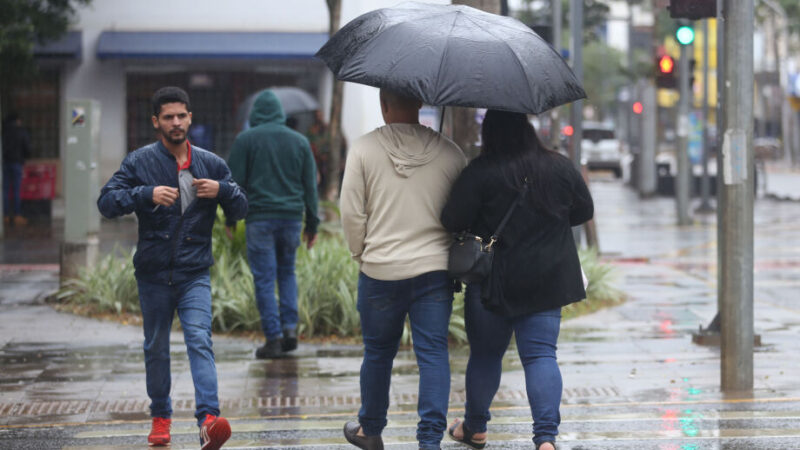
(363, 442)
(289, 341)
(270, 350)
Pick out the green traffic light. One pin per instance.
(685, 35)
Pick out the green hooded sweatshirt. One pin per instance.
(275, 166)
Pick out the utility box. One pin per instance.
(81, 219)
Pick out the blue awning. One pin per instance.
(68, 47)
(228, 45)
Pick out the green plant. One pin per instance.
(601, 292)
(327, 279)
(109, 287)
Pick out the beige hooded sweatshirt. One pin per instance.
(396, 181)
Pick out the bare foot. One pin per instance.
(458, 432)
(547, 446)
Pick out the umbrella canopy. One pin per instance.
(293, 100)
(452, 55)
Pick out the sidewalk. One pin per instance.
(632, 377)
(782, 182)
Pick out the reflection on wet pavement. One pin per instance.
(632, 377)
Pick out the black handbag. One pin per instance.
(469, 258)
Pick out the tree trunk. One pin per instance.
(334, 132)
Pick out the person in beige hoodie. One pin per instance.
(396, 181)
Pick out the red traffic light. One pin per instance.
(637, 107)
(666, 64)
(568, 130)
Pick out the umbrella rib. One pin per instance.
(441, 60)
(516, 58)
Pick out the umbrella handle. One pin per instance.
(441, 119)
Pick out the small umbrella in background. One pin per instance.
(294, 101)
(452, 55)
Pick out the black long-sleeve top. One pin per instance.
(536, 265)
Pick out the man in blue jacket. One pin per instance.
(174, 189)
(274, 164)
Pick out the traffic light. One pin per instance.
(692, 9)
(685, 35)
(665, 72)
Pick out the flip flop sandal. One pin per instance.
(467, 439)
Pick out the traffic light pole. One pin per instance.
(735, 209)
(683, 175)
(705, 182)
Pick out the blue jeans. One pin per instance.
(383, 305)
(192, 299)
(12, 185)
(271, 251)
(489, 335)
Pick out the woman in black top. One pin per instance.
(535, 271)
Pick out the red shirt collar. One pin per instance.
(188, 157)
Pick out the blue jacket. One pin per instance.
(172, 247)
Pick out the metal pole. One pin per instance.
(647, 157)
(683, 176)
(2, 196)
(705, 182)
(555, 119)
(576, 112)
(735, 210)
(632, 84)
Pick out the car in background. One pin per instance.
(600, 148)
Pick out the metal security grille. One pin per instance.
(36, 101)
(236, 404)
(216, 98)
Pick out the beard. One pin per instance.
(175, 136)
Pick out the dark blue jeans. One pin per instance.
(489, 335)
(12, 185)
(192, 299)
(383, 305)
(271, 251)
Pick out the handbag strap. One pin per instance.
(496, 234)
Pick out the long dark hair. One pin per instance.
(510, 141)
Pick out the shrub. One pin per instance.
(327, 281)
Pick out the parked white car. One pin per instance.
(600, 148)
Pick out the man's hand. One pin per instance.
(229, 230)
(206, 188)
(310, 238)
(165, 195)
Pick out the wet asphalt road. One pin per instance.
(632, 377)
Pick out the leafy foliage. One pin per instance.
(24, 23)
(327, 281)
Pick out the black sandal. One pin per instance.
(540, 444)
(467, 439)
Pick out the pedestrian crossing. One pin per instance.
(717, 424)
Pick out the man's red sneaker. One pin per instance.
(159, 432)
(214, 432)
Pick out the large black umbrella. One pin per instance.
(452, 55)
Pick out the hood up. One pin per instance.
(409, 146)
(267, 109)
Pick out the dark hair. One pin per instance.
(510, 141)
(169, 94)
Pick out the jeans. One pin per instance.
(192, 299)
(383, 305)
(12, 185)
(489, 335)
(271, 251)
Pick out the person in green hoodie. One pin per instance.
(275, 166)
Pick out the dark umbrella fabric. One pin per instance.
(452, 55)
